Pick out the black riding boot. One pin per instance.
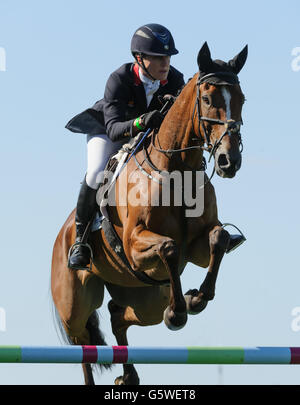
(234, 242)
(80, 252)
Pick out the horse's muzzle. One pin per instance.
(227, 165)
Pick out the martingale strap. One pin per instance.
(116, 244)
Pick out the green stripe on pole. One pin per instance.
(10, 354)
(215, 355)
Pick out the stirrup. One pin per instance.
(81, 267)
(241, 237)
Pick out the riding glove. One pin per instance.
(152, 119)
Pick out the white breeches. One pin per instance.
(99, 150)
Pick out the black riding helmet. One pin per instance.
(152, 39)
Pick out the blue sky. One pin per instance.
(59, 55)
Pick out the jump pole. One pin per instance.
(149, 355)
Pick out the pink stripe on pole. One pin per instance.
(90, 354)
(120, 354)
(295, 355)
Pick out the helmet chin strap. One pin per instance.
(142, 65)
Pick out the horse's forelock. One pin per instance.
(219, 65)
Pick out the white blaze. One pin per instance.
(227, 98)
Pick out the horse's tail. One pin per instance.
(92, 325)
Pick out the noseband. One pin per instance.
(231, 126)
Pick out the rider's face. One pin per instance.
(157, 66)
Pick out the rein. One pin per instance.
(231, 127)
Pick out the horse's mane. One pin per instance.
(182, 87)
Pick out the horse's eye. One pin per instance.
(206, 100)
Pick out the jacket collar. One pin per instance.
(137, 79)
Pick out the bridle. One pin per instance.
(231, 127)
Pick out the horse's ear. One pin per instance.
(236, 64)
(204, 58)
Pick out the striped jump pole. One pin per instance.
(149, 355)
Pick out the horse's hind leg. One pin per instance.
(135, 306)
(121, 319)
(95, 338)
(76, 295)
(218, 243)
(88, 374)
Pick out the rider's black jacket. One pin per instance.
(124, 100)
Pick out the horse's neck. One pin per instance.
(177, 132)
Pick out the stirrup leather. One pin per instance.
(88, 268)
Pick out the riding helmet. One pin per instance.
(153, 39)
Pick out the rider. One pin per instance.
(130, 105)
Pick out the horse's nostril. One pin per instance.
(222, 160)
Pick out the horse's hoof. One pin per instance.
(128, 379)
(119, 380)
(194, 308)
(174, 320)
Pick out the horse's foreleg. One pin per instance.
(149, 250)
(218, 243)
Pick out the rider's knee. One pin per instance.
(94, 178)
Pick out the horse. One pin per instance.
(157, 240)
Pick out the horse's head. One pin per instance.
(219, 107)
